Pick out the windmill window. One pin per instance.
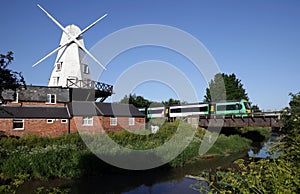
(58, 66)
(18, 124)
(86, 69)
(51, 99)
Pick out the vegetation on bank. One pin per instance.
(269, 175)
(68, 157)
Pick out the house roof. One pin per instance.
(83, 108)
(117, 109)
(103, 109)
(43, 112)
(87, 108)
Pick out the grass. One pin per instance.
(225, 145)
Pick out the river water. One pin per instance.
(264, 150)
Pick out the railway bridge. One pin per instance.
(260, 119)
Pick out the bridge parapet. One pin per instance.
(261, 119)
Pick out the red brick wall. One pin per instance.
(76, 125)
(123, 123)
(35, 126)
(42, 128)
(101, 124)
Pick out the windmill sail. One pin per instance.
(70, 63)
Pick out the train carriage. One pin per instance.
(156, 112)
(236, 108)
(188, 110)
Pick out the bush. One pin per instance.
(41, 157)
(43, 162)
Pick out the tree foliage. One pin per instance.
(171, 101)
(9, 79)
(291, 115)
(255, 108)
(141, 102)
(137, 101)
(225, 87)
(270, 175)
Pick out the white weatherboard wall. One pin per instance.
(70, 62)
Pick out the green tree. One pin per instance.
(225, 87)
(255, 108)
(276, 175)
(291, 119)
(137, 101)
(171, 101)
(9, 79)
(291, 115)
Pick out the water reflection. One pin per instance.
(266, 149)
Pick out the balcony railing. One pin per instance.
(102, 90)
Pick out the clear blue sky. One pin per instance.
(257, 40)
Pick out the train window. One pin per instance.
(194, 109)
(229, 107)
(189, 109)
(247, 105)
(221, 107)
(204, 109)
(156, 111)
(175, 110)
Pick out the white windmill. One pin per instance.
(70, 63)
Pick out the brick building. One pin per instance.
(52, 111)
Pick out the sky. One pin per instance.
(258, 41)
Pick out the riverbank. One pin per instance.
(68, 157)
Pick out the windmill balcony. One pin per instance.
(102, 90)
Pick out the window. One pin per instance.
(229, 107)
(63, 121)
(131, 121)
(58, 66)
(86, 69)
(189, 109)
(51, 99)
(247, 105)
(87, 121)
(113, 121)
(49, 121)
(18, 124)
(156, 110)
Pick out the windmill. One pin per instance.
(71, 65)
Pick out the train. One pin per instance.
(238, 108)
